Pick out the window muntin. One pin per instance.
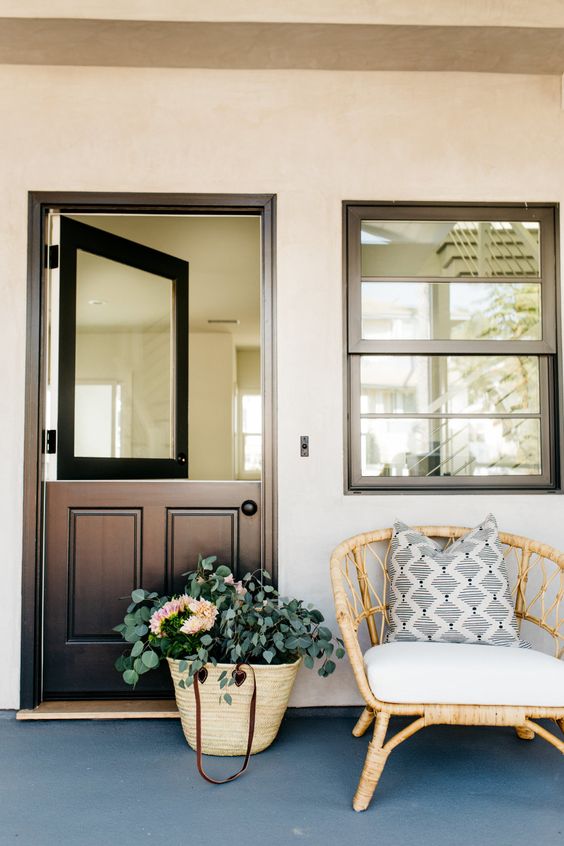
(451, 366)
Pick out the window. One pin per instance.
(249, 442)
(451, 347)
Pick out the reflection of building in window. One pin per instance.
(249, 451)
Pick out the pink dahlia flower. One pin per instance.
(229, 580)
(169, 609)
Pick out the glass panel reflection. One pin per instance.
(454, 249)
(419, 384)
(124, 345)
(450, 447)
(478, 311)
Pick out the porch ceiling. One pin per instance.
(272, 45)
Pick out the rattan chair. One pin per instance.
(360, 586)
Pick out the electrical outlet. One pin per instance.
(304, 446)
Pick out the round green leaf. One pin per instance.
(130, 635)
(138, 595)
(223, 571)
(130, 677)
(137, 649)
(140, 667)
(150, 659)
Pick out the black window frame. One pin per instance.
(548, 349)
(77, 236)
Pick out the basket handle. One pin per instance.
(240, 677)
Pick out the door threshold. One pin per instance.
(102, 709)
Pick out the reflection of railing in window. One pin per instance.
(486, 249)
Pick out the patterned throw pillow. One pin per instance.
(460, 595)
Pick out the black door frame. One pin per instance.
(40, 204)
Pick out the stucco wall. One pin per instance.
(441, 12)
(314, 139)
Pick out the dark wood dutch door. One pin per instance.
(154, 437)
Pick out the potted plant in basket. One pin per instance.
(226, 642)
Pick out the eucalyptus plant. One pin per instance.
(220, 620)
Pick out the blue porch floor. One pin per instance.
(134, 781)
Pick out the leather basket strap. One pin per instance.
(252, 716)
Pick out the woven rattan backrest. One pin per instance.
(536, 571)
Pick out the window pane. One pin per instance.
(450, 248)
(252, 453)
(419, 384)
(450, 447)
(124, 392)
(252, 413)
(479, 311)
(97, 420)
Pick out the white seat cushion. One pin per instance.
(464, 674)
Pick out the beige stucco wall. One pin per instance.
(426, 12)
(314, 139)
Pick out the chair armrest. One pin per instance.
(348, 629)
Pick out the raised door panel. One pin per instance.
(95, 557)
(192, 532)
(104, 566)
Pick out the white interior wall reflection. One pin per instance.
(314, 139)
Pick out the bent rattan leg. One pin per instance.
(363, 723)
(546, 735)
(524, 733)
(561, 724)
(374, 764)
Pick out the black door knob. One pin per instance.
(181, 458)
(249, 507)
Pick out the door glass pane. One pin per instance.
(224, 335)
(419, 384)
(450, 447)
(450, 248)
(124, 397)
(477, 311)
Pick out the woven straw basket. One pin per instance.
(225, 727)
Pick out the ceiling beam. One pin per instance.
(360, 47)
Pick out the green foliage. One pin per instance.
(254, 625)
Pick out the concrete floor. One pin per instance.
(134, 781)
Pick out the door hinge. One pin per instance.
(50, 442)
(51, 259)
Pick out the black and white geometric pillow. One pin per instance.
(461, 595)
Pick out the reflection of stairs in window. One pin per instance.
(487, 249)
